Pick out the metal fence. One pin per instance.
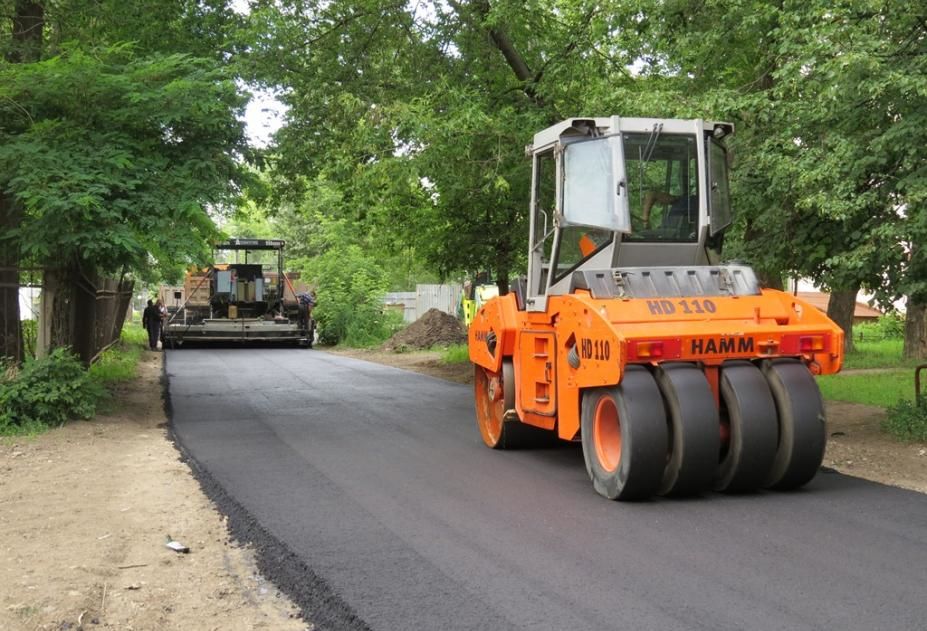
(414, 304)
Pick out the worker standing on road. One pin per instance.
(306, 303)
(151, 321)
(162, 312)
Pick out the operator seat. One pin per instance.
(681, 220)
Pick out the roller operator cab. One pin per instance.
(676, 371)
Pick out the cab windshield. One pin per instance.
(663, 186)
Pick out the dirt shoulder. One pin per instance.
(856, 446)
(84, 515)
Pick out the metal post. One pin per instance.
(917, 383)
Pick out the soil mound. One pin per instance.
(434, 327)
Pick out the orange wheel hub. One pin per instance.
(606, 432)
(490, 404)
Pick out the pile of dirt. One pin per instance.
(433, 328)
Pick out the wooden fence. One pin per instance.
(92, 308)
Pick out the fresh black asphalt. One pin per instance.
(373, 502)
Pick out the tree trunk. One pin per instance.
(60, 286)
(27, 22)
(915, 330)
(840, 308)
(11, 339)
(72, 311)
(502, 281)
(84, 341)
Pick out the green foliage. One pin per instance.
(204, 28)
(425, 120)
(907, 420)
(120, 362)
(250, 220)
(889, 326)
(113, 156)
(829, 103)
(876, 353)
(350, 285)
(879, 344)
(882, 389)
(134, 335)
(456, 354)
(427, 105)
(30, 332)
(46, 392)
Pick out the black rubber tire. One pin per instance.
(642, 445)
(802, 430)
(693, 424)
(754, 428)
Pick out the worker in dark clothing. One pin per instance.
(306, 303)
(151, 320)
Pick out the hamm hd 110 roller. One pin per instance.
(676, 371)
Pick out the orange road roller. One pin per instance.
(676, 371)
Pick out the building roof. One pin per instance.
(819, 300)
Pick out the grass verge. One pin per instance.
(878, 354)
(907, 421)
(455, 354)
(882, 389)
(120, 362)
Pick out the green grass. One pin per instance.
(29, 429)
(878, 354)
(455, 354)
(134, 334)
(882, 389)
(907, 421)
(120, 362)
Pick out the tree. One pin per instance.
(26, 27)
(828, 102)
(110, 154)
(419, 113)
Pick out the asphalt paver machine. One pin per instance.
(247, 298)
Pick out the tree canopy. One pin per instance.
(406, 122)
(418, 112)
(113, 157)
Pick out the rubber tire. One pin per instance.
(694, 440)
(643, 449)
(802, 430)
(512, 434)
(754, 428)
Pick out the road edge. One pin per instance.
(318, 603)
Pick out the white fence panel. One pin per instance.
(414, 304)
(441, 297)
(404, 300)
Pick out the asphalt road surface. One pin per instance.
(377, 506)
